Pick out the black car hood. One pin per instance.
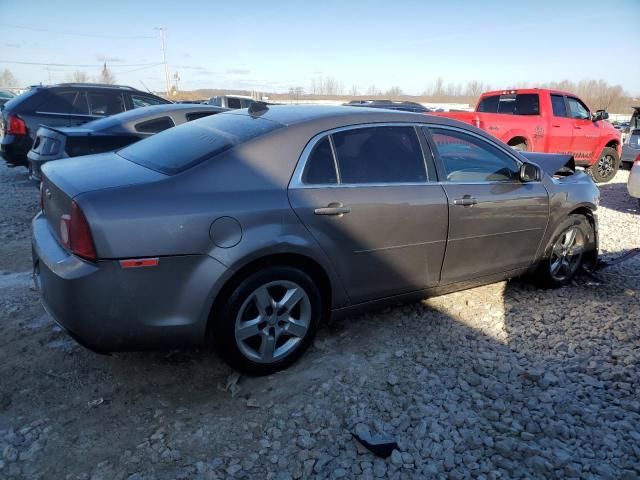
(552, 163)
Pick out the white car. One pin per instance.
(633, 184)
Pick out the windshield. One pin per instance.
(196, 141)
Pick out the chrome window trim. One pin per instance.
(70, 114)
(296, 178)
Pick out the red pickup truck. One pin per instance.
(551, 121)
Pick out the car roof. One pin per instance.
(516, 91)
(297, 114)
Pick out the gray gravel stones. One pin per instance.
(503, 381)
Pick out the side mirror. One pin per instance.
(529, 173)
(600, 115)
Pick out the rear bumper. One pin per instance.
(14, 149)
(108, 308)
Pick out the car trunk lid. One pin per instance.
(64, 180)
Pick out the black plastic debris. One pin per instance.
(380, 444)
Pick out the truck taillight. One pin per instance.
(16, 126)
(75, 233)
(476, 122)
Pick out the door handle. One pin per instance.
(465, 201)
(554, 125)
(577, 127)
(334, 208)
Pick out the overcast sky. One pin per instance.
(274, 45)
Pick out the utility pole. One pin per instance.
(164, 59)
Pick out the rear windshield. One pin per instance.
(182, 147)
(510, 104)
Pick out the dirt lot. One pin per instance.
(503, 381)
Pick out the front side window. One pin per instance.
(154, 125)
(577, 109)
(379, 155)
(467, 158)
(558, 106)
(103, 104)
(320, 168)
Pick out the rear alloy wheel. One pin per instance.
(520, 147)
(606, 167)
(566, 253)
(269, 321)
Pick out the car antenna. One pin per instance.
(146, 88)
(257, 108)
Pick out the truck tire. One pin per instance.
(606, 166)
(520, 147)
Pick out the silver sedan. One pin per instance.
(247, 229)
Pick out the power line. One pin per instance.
(58, 32)
(80, 64)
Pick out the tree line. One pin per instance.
(106, 76)
(598, 94)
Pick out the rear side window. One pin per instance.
(155, 125)
(186, 145)
(58, 102)
(105, 104)
(379, 155)
(558, 106)
(320, 168)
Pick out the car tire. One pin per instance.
(259, 331)
(606, 167)
(569, 245)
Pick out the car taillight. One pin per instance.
(16, 126)
(75, 233)
(637, 162)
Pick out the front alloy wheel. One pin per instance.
(566, 255)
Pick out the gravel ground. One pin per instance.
(503, 381)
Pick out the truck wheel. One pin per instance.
(606, 167)
(520, 147)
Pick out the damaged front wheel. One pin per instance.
(565, 254)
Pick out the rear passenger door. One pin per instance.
(368, 198)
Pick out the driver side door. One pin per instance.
(496, 221)
(586, 133)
